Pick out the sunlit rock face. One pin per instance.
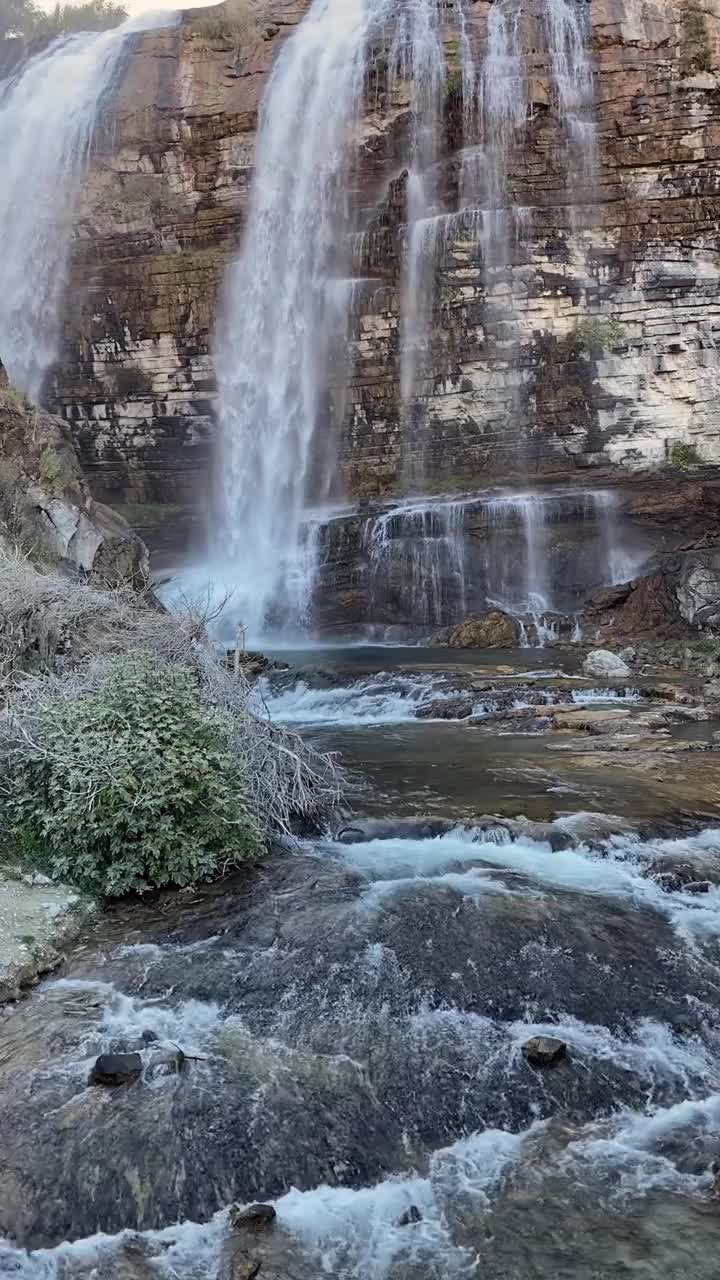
(508, 382)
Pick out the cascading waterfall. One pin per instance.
(419, 53)
(417, 552)
(436, 559)
(278, 335)
(50, 112)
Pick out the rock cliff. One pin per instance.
(613, 276)
(46, 509)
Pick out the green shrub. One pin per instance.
(55, 474)
(598, 332)
(129, 786)
(684, 455)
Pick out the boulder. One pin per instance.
(45, 503)
(252, 1217)
(605, 665)
(544, 1051)
(411, 1214)
(446, 709)
(698, 588)
(116, 1068)
(492, 630)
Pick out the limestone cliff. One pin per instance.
(46, 509)
(633, 242)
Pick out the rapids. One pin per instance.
(352, 1017)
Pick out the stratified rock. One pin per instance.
(492, 630)
(544, 1051)
(603, 663)
(116, 1068)
(446, 709)
(46, 505)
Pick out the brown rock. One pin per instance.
(492, 630)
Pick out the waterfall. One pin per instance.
(536, 556)
(50, 111)
(506, 98)
(416, 557)
(279, 338)
(419, 53)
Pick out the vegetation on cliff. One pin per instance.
(130, 756)
(25, 19)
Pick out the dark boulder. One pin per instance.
(116, 1068)
(252, 1217)
(411, 1214)
(544, 1051)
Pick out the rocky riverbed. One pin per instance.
(341, 1031)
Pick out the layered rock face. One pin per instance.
(46, 509)
(591, 344)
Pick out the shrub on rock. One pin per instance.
(130, 785)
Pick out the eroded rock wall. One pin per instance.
(515, 384)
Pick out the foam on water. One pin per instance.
(613, 869)
(192, 1024)
(384, 698)
(355, 1234)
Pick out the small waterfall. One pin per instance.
(419, 53)
(50, 112)
(416, 558)
(507, 92)
(532, 575)
(432, 562)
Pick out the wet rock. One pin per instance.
(544, 1051)
(492, 630)
(411, 1214)
(115, 1069)
(257, 1246)
(446, 709)
(603, 663)
(679, 877)
(252, 1217)
(39, 919)
(594, 720)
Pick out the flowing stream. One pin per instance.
(353, 1017)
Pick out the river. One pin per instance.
(353, 1013)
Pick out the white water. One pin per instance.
(279, 335)
(422, 560)
(419, 54)
(354, 1234)
(506, 101)
(50, 112)
(417, 552)
(384, 698)
(615, 869)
